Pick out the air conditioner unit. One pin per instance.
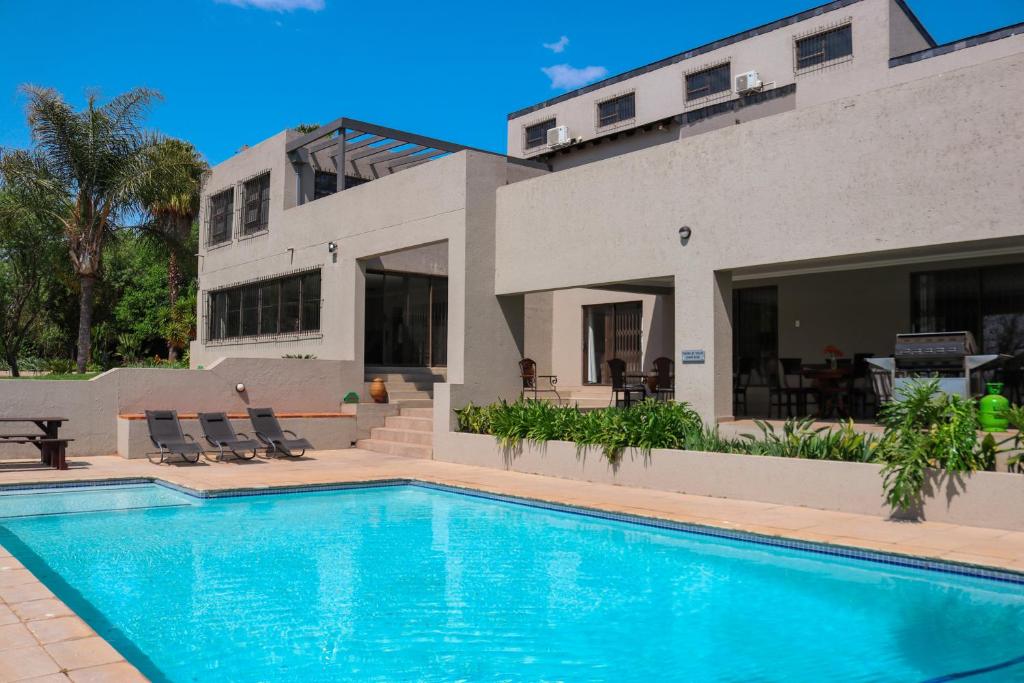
(748, 82)
(558, 137)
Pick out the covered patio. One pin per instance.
(801, 333)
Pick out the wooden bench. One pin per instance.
(52, 452)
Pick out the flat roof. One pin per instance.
(708, 47)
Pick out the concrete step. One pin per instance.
(419, 424)
(418, 411)
(402, 435)
(406, 386)
(406, 374)
(414, 403)
(402, 396)
(407, 450)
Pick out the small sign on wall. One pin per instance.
(693, 356)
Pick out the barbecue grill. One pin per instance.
(950, 357)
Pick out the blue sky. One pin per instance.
(234, 72)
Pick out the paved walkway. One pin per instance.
(41, 639)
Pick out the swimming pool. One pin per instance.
(407, 582)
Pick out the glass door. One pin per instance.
(406, 319)
(612, 331)
(755, 339)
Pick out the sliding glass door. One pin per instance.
(406, 319)
(612, 331)
(755, 338)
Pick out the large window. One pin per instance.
(256, 204)
(988, 302)
(285, 305)
(537, 134)
(220, 210)
(824, 47)
(618, 109)
(709, 82)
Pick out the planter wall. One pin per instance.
(990, 499)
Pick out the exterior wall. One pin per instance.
(660, 93)
(567, 328)
(538, 338)
(987, 499)
(881, 29)
(892, 171)
(91, 407)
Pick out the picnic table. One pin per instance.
(52, 448)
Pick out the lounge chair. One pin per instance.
(165, 433)
(221, 434)
(268, 430)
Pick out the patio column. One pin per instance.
(703, 342)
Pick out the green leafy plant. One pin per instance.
(926, 428)
(303, 356)
(60, 366)
(799, 438)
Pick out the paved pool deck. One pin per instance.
(41, 639)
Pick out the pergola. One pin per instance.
(365, 150)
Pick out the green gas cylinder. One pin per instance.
(992, 413)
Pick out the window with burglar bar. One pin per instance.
(266, 308)
(221, 209)
(709, 82)
(256, 204)
(620, 108)
(537, 134)
(824, 47)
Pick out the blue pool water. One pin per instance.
(409, 583)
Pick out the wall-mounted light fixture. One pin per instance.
(332, 247)
(240, 387)
(684, 234)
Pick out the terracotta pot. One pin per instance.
(378, 392)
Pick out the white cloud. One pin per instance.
(277, 5)
(558, 46)
(566, 77)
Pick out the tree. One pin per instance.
(86, 171)
(172, 199)
(27, 249)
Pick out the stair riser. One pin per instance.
(402, 436)
(426, 412)
(393, 448)
(419, 424)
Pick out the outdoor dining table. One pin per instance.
(828, 381)
(52, 448)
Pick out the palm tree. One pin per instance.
(172, 200)
(91, 165)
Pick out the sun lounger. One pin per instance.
(165, 433)
(221, 435)
(268, 430)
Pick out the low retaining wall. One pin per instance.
(989, 499)
(326, 431)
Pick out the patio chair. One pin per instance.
(221, 434)
(166, 434)
(528, 371)
(666, 387)
(622, 392)
(740, 384)
(792, 381)
(268, 430)
(881, 383)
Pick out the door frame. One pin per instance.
(429, 341)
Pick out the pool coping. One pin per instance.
(943, 566)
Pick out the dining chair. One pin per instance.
(666, 382)
(622, 392)
(740, 384)
(792, 377)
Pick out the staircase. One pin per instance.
(411, 432)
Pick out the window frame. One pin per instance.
(822, 34)
(601, 123)
(221, 237)
(544, 134)
(260, 204)
(703, 71)
(228, 309)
